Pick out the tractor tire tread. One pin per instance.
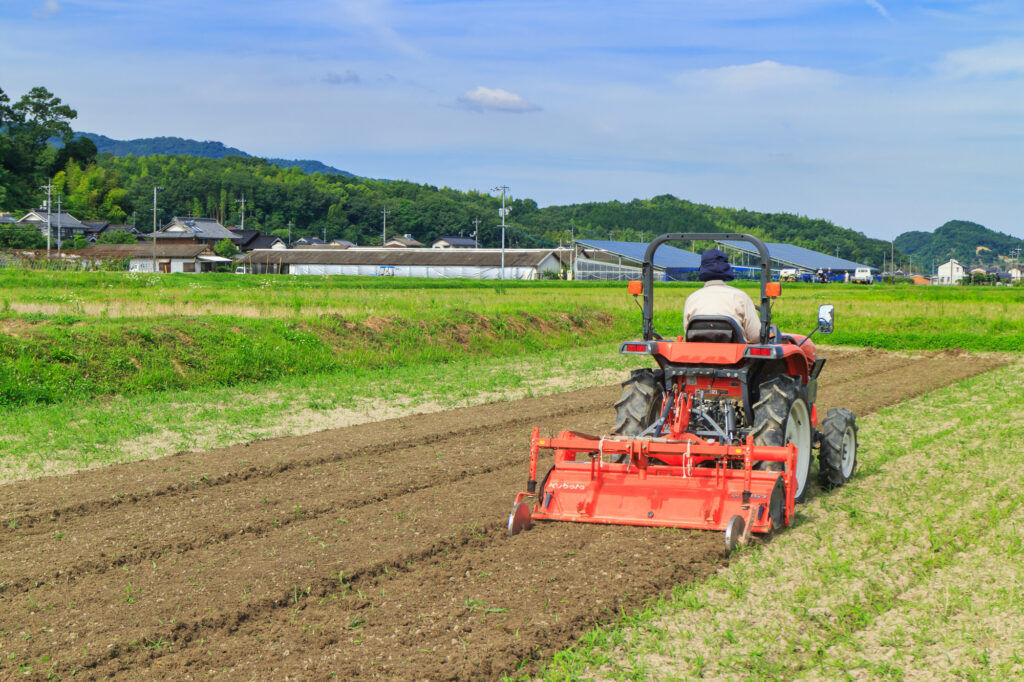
(830, 456)
(640, 403)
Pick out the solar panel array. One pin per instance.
(797, 256)
(668, 257)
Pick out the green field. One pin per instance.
(101, 367)
(901, 573)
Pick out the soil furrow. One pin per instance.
(29, 503)
(387, 563)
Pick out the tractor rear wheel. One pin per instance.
(837, 459)
(780, 417)
(640, 404)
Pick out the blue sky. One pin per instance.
(879, 115)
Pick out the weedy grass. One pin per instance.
(40, 439)
(57, 360)
(913, 571)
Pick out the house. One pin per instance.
(249, 240)
(404, 242)
(344, 243)
(308, 241)
(94, 229)
(1015, 272)
(62, 225)
(391, 262)
(167, 257)
(196, 230)
(950, 272)
(454, 243)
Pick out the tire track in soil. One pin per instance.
(431, 588)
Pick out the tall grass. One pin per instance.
(76, 335)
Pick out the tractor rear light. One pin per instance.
(637, 347)
(763, 352)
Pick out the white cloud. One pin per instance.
(759, 77)
(481, 98)
(49, 8)
(878, 7)
(1004, 59)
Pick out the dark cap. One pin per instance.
(714, 264)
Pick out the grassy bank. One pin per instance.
(60, 359)
(71, 336)
(56, 439)
(898, 575)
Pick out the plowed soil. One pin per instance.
(371, 551)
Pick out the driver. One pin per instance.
(718, 298)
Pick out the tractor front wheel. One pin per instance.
(837, 459)
(780, 417)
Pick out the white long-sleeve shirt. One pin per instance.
(718, 298)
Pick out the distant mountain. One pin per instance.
(207, 149)
(969, 243)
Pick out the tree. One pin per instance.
(26, 158)
(21, 237)
(116, 237)
(225, 248)
(79, 242)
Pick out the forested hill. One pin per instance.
(640, 219)
(173, 146)
(116, 188)
(969, 243)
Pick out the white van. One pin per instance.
(863, 276)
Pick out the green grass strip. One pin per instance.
(79, 359)
(57, 439)
(914, 570)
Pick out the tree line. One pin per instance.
(37, 143)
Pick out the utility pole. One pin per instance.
(892, 256)
(49, 227)
(59, 223)
(572, 246)
(155, 190)
(289, 234)
(476, 233)
(503, 188)
(384, 230)
(242, 202)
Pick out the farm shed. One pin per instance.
(435, 263)
(790, 256)
(169, 257)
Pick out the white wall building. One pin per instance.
(390, 262)
(950, 272)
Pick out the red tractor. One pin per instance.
(719, 437)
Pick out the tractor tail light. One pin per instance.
(763, 352)
(637, 347)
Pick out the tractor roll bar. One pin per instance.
(647, 274)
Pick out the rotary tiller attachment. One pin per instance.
(687, 483)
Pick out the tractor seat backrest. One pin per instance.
(714, 329)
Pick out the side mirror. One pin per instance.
(636, 287)
(826, 318)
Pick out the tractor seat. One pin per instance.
(714, 329)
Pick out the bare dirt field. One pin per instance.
(375, 550)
